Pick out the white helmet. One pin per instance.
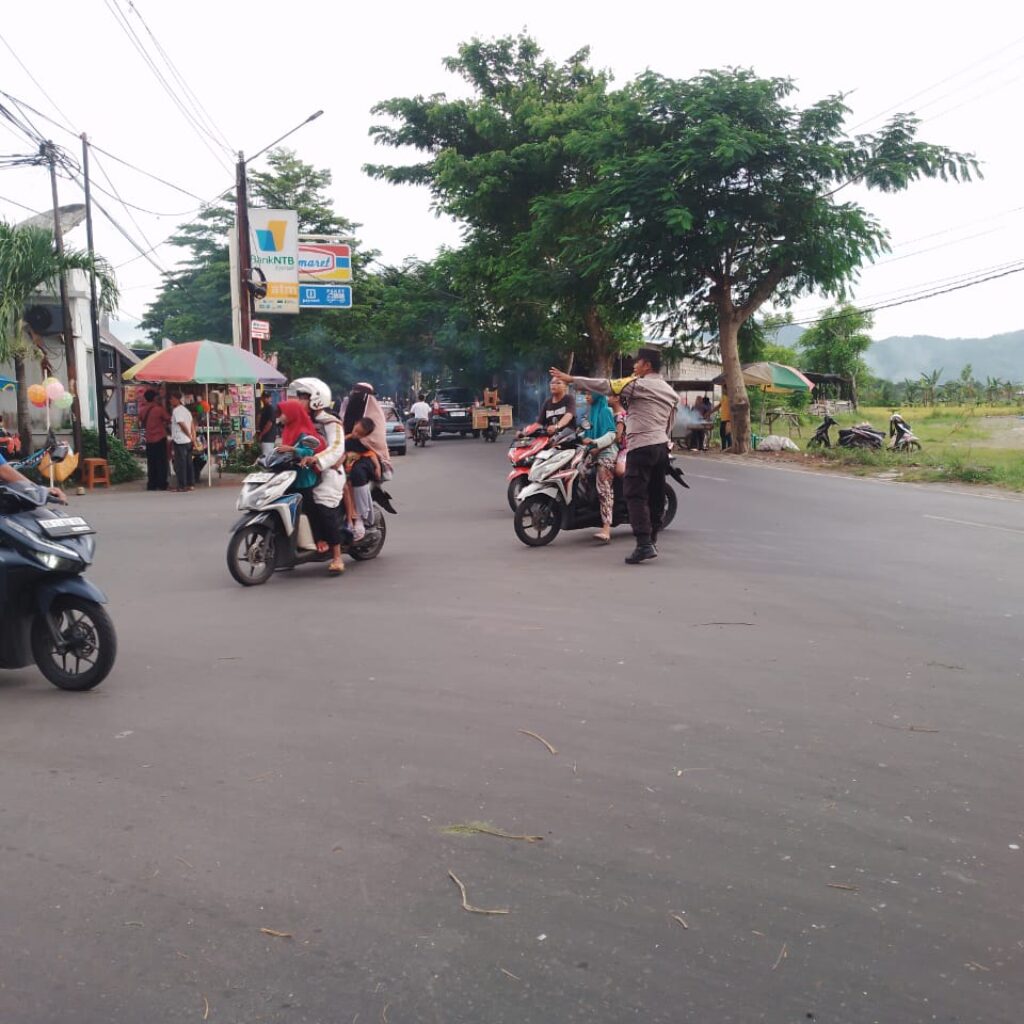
(319, 393)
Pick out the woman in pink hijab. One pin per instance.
(361, 403)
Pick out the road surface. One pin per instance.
(787, 784)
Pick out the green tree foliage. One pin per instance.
(503, 163)
(715, 194)
(28, 262)
(837, 343)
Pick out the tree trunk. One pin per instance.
(24, 427)
(739, 403)
(601, 343)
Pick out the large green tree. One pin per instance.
(501, 163)
(716, 194)
(29, 261)
(837, 343)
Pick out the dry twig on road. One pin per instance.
(526, 732)
(466, 905)
(474, 827)
(676, 917)
(275, 934)
(783, 953)
(845, 888)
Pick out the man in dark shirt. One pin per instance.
(559, 410)
(154, 420)
(266, 427)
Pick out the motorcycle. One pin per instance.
(562, 493)
(420, 433)
(50, 613)
(863, 435)
(903, 438)
(274, 533)
(493, 428)
(529, 443)
(821, 435)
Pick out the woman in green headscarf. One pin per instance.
(601, 435)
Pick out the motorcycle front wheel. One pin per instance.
(515, 485)
(538, 520)
(85, 652)
(671, 506)
(251, 554)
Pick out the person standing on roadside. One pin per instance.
(724, 420)
(155, 420)
(266, 426)
(184, 440)
(650, 404)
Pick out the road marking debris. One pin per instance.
(970, 522)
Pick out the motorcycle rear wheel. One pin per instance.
(538, 520)
(88, 639)
(363, 553)
(251, 555)
(671, 506)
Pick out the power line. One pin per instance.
(940, 82)
(196, 103)
(136, 42)
(14, 202)
(53, 102)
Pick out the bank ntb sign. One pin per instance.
(274, 250)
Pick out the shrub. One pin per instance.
(124, 467)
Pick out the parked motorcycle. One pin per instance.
(529, 443)
(49, 613)
(821, 436)
(903, 438)
(863, 435)
(562, 493)
(267, 537)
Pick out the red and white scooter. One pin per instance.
(529, 443)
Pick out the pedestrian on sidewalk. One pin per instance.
(183, 436)
(266, 428)
(155, 420)
(650, 404)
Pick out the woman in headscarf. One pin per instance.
(601, 435)
(362, 404)
(299, 436)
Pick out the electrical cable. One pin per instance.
(197, 104)
(35, 81)
(14, 202)
(136, 42)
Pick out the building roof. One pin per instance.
(111, 341)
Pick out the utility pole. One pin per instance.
(49, 152)
(94, 309)
(244, 254)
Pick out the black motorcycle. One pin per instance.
(50, 613)
(493, 428)
(863, 435)
(821, 436)
(420, 431)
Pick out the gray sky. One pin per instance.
(260, 68)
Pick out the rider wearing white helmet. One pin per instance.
(329, 492)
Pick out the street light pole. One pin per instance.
(245, 295)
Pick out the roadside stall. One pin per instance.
(222, 400)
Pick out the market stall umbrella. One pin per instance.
(204, 362)
(776, 378)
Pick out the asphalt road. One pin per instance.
(799, 731)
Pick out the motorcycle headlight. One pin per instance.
(46, 552)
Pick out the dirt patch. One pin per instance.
(1003, 431)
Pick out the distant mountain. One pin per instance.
(1000, 356)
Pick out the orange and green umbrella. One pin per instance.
(204, 362)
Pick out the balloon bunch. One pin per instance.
(52, 391)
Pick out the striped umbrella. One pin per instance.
(776, 378)
(204, 362)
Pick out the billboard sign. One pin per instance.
(325, 296)
(274, 252)
(324, 262)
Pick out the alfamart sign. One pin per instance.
(275, 251)
(325, 268)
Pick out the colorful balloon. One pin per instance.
(37, 395)
(65, 401)
(54, 388)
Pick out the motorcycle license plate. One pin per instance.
(68, 526)
(258, 478)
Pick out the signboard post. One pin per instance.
(274, 244)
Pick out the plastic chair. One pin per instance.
(95, 472)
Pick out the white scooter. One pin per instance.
(274, 533)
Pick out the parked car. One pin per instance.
(395, 429)
(452, 411)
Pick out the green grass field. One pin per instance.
(965, 444)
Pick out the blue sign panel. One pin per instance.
(325, 296)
